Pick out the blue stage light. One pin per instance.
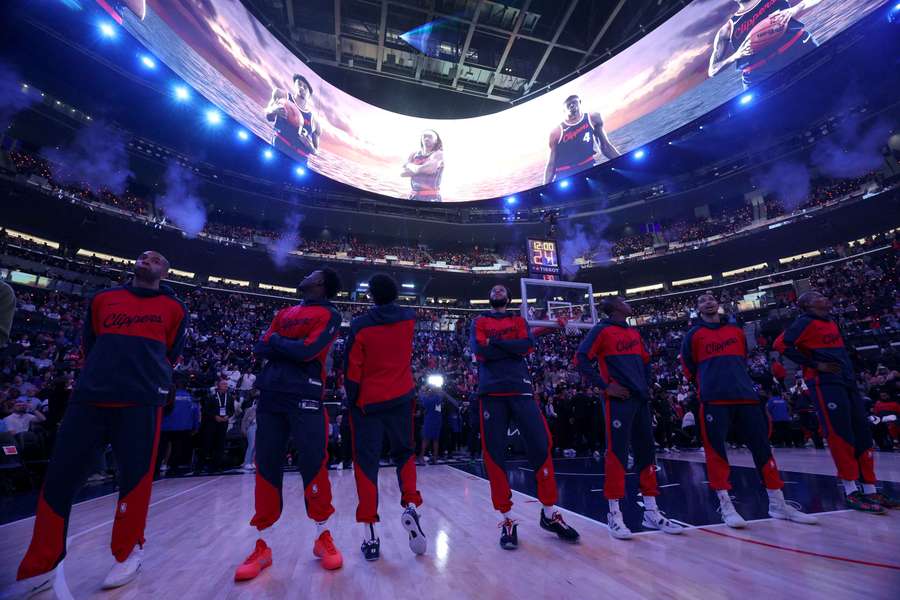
(243, 135)
(148, 61)
(299, 171)
(213, 117)
(640, 154)
(564, 184)
(511, 199)
(182, 93)
(268, 154)
(746, 99)
(107, 29)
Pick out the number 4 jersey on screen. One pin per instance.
(704, 55)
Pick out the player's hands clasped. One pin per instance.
(617, 390)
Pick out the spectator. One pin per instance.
(181, 422)
(7, 309)
(779, 413)
(248, 428)
(22, 418)
(219, 407)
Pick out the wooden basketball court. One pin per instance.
(197, 533)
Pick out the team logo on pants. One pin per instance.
(315, 488)
(123, 506)
(617, 423)
(709, 418)
(487, 415)
(832, 406)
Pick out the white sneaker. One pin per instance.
(783, 510)
(124, 572)
(163, 468)
(339, 466)
(731, 516)
(410, 520)
(654, 519)
(617, 528)
(248, 468)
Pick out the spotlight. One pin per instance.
(299, 171)
(435, 381)
(213, 117)
(181, 93)
(148, 61)
(640, 154)
(243, 135)
(511, 200)
(746, 99)
(268, 154)
(564, 184)
(107, 29)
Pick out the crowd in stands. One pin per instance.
(38, 367)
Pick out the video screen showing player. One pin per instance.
(577, 143)
(296, 129)
(425, 167)
(762, 37)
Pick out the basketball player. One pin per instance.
(500, 340)
(577, 143)
(292, 387)
(381, 394)
(814, 341)
(714, 355)
(786, 39)
(425, 168)
(624, 378)
(296, 128)
(132, 336)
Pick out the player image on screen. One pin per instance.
(761, 38)
(296, 129)
(577, 142)
(425, 168)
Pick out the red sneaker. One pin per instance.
(259, 559)
(324, 549)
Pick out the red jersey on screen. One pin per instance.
(575, 149)
(785, 48)
(425, 186)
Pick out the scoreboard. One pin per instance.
(543, 260)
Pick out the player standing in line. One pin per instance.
(296, 126)
(500, 341)
(814, 342)
(624, 377)
(714, 356)
(292, 387)
(425, 167)
(381, 394)
(577, 143)
(132, 336)
(779, 40)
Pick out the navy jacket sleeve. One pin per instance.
(687, 356)
(177, 345)
(88, 337)
(351, 368)
(788, 345)
(306, 349)
(584, 358)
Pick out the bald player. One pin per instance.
(814, 341)
(577, 143)
(132, 336)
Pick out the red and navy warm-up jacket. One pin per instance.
(620, 354)
(296, 346)
(500, 342)
(378, 358)
(714, 355)
(811, 339)
(132, 337)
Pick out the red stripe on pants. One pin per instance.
(317, 494)
(841, 450)
(47, 546)
(501, 494)
(717, 468)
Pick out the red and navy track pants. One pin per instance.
(309, 429)
(849, 434)
(367, 432)
(752, 428)
(496, 414)
(628, 423)
(133, 433)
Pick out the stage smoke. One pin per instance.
(287, 241)
(13, 97)
(96, 159)
(789, 182)
(180, 203)
(853, 150)
(585, 240)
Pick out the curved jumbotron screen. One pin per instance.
(704, 55)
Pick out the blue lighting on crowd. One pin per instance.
(299, 171)
(746, 99)
(182, 93)
(268, 154)
(511, 200)
(213, 117)
(640, 154)
(243, 135)
(564, 184)
(107, 29)
(148, 61)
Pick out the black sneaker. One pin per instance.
(371, 549)
(509, 535)
(555, 524)
(857, 501)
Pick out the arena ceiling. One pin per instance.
(500, 52)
